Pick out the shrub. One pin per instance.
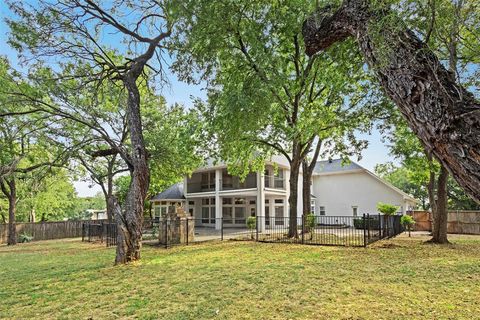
(25, 237)
(310, 221)
(407, 222)
(373, 224)
(251, 224)
(387, 209)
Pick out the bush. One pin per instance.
(387, 209)
(374, 224)
(407, 221)
(310, 221)
(25, 237)
(251, 224)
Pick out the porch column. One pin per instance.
(287, 189)
(261, 200)
(218, 204)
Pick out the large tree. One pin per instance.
(265, 95)
(75, 31)
(441, 112)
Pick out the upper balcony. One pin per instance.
(205, 181)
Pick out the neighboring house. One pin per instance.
(351, 190)
(210, 194)
(97, 214)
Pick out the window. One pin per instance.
(227, 214)
(240, 215)
(312, 207)
(191, 208)
(208, 180)
(227, 180)
(157, 212)
(279, 217)
(279, 181)
(278, 200)
(240, 201)
(355, 211)
(208, 210)
(322, 210)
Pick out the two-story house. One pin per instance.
(211, 194)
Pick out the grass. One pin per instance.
(397, 279)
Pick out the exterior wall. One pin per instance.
(338, 193)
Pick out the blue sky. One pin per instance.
(180, 92)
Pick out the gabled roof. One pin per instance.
(175, 192)
(335, 165)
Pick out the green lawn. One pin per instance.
(398, 279)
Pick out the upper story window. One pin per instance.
(355, 211)
(322, 210)
(208, 180)
(274, 178)
(312, 206)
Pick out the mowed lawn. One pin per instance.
(397, 279)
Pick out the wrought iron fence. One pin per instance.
(312, 230)
(100, 232)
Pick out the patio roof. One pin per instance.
(175, 192)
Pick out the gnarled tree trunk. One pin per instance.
(444, 115)
(130, 220)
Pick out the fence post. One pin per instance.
(186, 228)
(166, 232)
(303, 228)
(221, 228)
(83, 231)
(368, 226)
(364, 231)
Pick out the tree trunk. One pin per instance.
(32, 217)
(12, 203)
(444, 115)
(431, 197)
(9, 189)
(130, 220)
(307, 185)
(439, 231)
(308, 168)
(293, 199)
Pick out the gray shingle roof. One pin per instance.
(335, 165)
(175, 192)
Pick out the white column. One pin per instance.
(287, 189)
(218, 204)
(261, 201)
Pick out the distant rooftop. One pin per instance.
(175, 192)
(335, 165)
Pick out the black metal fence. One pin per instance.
(100, 232)
(312, 230)
(330, 230)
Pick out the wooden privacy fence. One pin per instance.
(53, 230)
(45, 230)
(463, 222)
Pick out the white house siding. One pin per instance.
(339, 193)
